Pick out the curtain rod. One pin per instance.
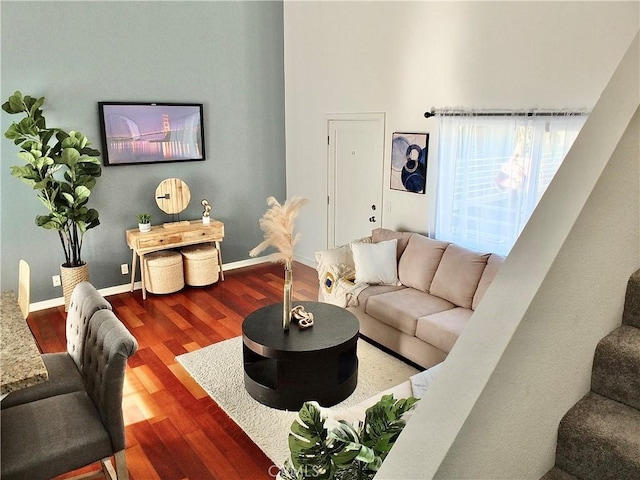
(505, 113)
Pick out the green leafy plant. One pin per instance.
(326, 449)
(144, 218)
(61, 167)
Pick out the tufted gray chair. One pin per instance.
(64, 368)
(61, 433)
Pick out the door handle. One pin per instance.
(372, 219)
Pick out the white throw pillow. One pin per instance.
(334, 256)
(376, 263)
(420, 382)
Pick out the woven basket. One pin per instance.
(163, 272)
(70, 277)
(200, 265)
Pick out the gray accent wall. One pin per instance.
(226, 55)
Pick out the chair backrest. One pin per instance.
(107, 347)
(85, 301)
(24, 287)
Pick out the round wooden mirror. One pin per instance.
(173, 196)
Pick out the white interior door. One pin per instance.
(355, 168)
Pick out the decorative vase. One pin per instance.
(70, 277)
(286, 304)
(144, 227)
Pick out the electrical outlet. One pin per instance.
(56, 280)
(124, 268)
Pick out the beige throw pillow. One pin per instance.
(458, 274)
(493, 265)
(382, 234)
(419, 262)
(376, 263)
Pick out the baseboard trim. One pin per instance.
(305, 261)
(126, 287)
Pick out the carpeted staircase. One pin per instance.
(599, 437)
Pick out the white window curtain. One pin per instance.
(491, 172)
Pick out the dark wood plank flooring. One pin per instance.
(174, 430)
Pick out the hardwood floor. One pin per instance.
(174, 430)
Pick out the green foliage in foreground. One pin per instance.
(326, 449)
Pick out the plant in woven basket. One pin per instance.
(278, 223)
(327, 449)
(61, 167)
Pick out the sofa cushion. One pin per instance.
(372, 290)
(382, 234)
(458, 274)
(376, 263)
(402, 308)
(443, 329)
(419, 262)
(493, 265)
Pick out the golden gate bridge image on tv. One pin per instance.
(178, 139)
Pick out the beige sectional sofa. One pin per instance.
(421, 313)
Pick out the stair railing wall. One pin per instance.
(525, 357)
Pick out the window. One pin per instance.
(492, 170)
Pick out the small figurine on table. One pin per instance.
(206, 214)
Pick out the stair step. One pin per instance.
(631, 313)
(616, 366)
(599, 439)
(558, 474)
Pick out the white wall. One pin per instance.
(403, 58)
(525, 358)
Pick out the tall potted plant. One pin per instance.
(62, 167)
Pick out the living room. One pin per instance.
(269, 74)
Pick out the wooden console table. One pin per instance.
(180, 235)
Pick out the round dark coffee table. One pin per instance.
(284, 370)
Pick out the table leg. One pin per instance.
(134, 265)
(142, 277)
(220, 261)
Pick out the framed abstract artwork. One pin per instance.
(409, 152)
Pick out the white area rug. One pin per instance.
(218, 369)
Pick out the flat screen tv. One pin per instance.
(138, 133)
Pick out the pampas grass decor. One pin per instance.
(277, 224)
